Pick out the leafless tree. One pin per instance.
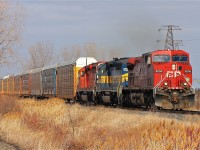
(76, 51)
(90, 49)
(41, 54)
(114, 53)
(11, 17)
(71, 53)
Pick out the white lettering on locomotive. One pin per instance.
(173, 74)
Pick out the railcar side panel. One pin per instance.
(65, 81)
(36, 87)
(17, 85)
(11, 85)
(5, 86)
(49, 82)
(26, 85)
(1, 85)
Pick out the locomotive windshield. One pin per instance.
(161, 58)
(179, 58)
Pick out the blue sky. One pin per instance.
(130, 26)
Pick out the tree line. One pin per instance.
(42, 53)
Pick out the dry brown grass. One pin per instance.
(52, 124)
(8, 104)
(197, 105)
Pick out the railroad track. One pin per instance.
(188, 112)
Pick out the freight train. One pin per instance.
(158, 79)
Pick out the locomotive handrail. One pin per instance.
(187, 81)
(160, 82)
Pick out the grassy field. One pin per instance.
(52, 124)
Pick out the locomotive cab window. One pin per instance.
(161, 58)
(82, 73)
(103, 69)
(179, 58)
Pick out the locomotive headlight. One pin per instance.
(184, 83)
(165, 83)
(173, 66)
(187, 79)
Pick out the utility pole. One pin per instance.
(170, 43)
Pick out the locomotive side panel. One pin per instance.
(141, 75)
(116, 77)
(90, 79)
(112, 76)
(103, 79)
(82, 79)
(86, 88)
(87, 77)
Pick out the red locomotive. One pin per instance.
(162, 78)
(87, 83)
(173, 79)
